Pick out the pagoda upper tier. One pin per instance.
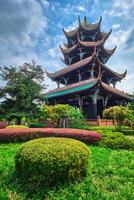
(87, 68)
(84, 54)
(82, 40)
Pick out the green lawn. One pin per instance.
(110, 176)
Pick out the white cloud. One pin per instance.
(45, 3)
(127, 82)
(115, 26)
(80, 8)
(22, 24)
(120, 8)
(118, 38)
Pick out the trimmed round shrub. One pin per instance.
(52, 160)
(17, 126)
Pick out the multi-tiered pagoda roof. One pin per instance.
(85, 58)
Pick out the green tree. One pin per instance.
(54, 114)
(118, 114)
(21, 94)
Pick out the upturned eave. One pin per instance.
(82, 63)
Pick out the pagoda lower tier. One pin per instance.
(92, 96)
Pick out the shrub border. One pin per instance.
(15, 135)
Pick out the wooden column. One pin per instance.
(79, 75)
(114, 83)
(80, 101)
(58, 84)
(94, 106)
(92, 72)
(105, 100)
(65, 80)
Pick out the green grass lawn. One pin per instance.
(110, 176)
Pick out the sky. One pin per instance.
(32, 30)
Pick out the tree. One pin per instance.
(118, 114)
(54, 114)
(22, 91)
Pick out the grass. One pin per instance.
(110, 177)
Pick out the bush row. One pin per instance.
(25, 134)
(115, 140)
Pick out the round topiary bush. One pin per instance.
(52, 160)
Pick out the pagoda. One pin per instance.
(86, 80)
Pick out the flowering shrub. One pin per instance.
(25, 134)
(3, 124)
(50, 161)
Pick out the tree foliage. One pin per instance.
(22, 90)
(53, 115)
(118, 114)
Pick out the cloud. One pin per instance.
(120, 8)
(80, 8)
(130, 40)
(45, 3)
(22, 24)
(115, 26)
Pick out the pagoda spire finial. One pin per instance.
(100, 20)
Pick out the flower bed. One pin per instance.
(25, 134)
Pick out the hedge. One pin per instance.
(115, 140)
(25, 134)
(51, 161)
